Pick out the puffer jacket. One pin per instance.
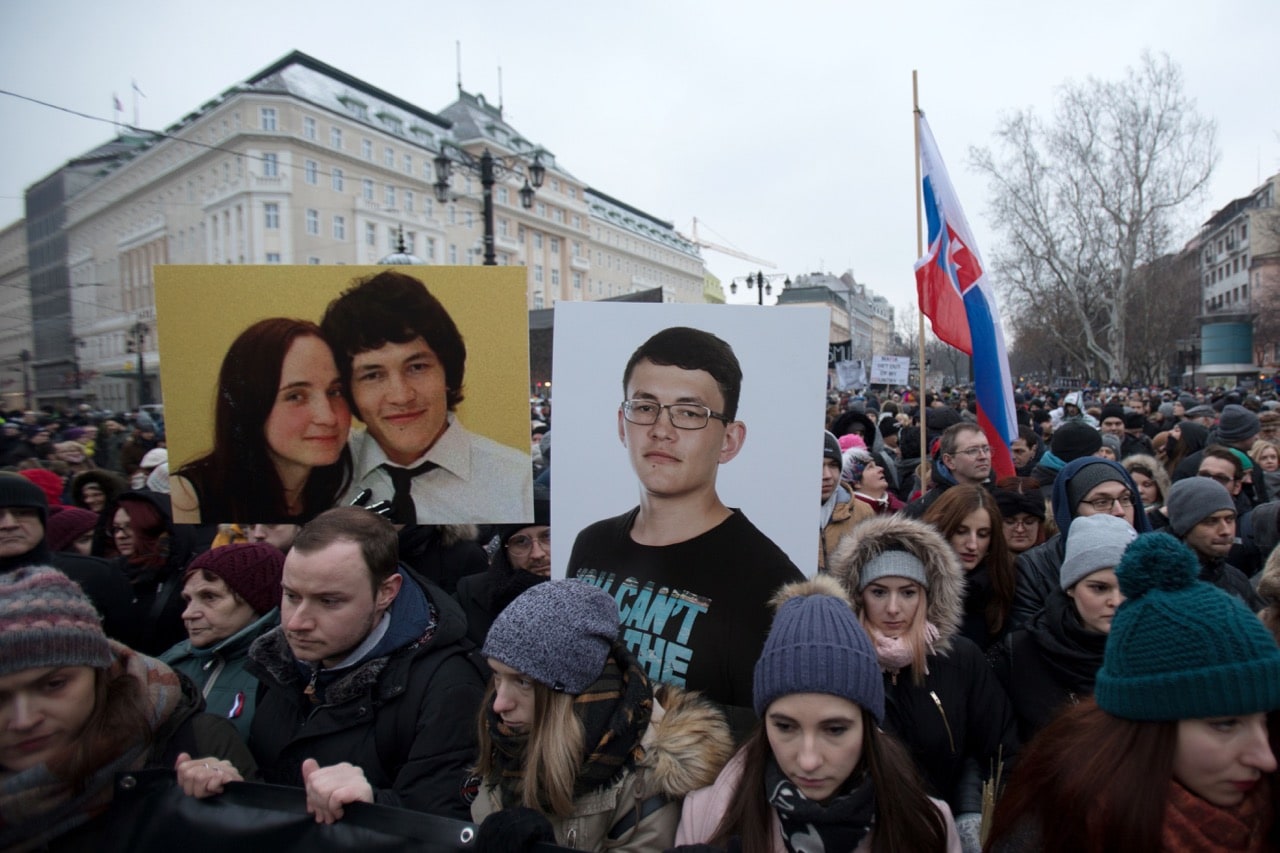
(685, 746)
(1039, 569)
(959, 718)
(219, 671)
(406, 716)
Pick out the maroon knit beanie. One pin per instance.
(251, 569)
(66, 524)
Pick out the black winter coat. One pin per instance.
(1039, 572)
(407, 719)
(1051, 663)
(959, 714)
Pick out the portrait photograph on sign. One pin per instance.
(289, 390)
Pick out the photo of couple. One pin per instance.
(293, 416)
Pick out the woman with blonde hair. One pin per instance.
(576, 745)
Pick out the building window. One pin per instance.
(390, 197)
(308, 128)
(339, 228)
(338, 183)
(577, 248)
(555, 185)
(555, 245)
(366, 149)
(537, 300)
(335, 138)
(311, 172)
(453, 215)
(268, 118)
(555, 276)
(408, 164)
(502, 227)
(557, 214)
(428, 206)
(471, 222)
(313, 261)
(408, 201)
(577, 281)
(271, 214)
(431, 248)
(503, 195)
(313, 221)
(370, 234)
(577, 221)
(573, 192)
(273, 257)
(410, 238)
(426, 170)
(366, 187)
(270, 166)
(453, 253)
(542, 209)
(537, 240)
(388, 158)
(537, 273)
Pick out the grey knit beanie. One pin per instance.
(1089, 477)
(1237, 424)
(46, 620)
(1192, 500)
(817, 646)
(558, 633)
(892, 564)
(1094, 542)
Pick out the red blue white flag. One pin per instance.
(957, 297)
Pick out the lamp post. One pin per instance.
(490, 168)
(137, 338)
(760, 282)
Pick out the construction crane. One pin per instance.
(725, 250)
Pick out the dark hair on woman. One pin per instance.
(150, 532)
(1193, 437)
(906, 819)
(117, 723)
(1089, 782)
(237, 481)
(948, 512)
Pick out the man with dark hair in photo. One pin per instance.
(692, 577)
(402, 360)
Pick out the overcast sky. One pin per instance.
(785, 128)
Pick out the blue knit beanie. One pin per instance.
(558, 633)
(817, 646)
(1179, 648)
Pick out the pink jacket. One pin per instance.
(704, 808)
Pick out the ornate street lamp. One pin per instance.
(489, 168)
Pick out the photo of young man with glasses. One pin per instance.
(692, 576)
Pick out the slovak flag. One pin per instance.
(957, 297)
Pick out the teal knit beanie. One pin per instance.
(1179, 648)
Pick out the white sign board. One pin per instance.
(890, 369)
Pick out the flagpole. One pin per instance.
(924, 469)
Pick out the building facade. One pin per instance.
(1239, 252)
(858, 314)
(305, 164)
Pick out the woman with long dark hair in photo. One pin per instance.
(818, 773)
(280, 432)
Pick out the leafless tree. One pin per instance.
(1085, 200)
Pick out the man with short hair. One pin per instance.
(692, 577)
(402, 361)
(369, 687)
(964, 457)
(1203, 515)
(1087, 486)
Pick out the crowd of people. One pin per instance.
(1081, 656)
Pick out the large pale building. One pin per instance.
(305, 164)
(1239, 250)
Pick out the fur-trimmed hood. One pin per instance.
(941, 566)
(685, 749)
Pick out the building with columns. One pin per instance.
(305, 164)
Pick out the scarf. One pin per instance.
(836, 826)
(1071, 652)
(614, 712)
(37, 806)
(1052, 463)
(1192, 825)
(895, 654)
